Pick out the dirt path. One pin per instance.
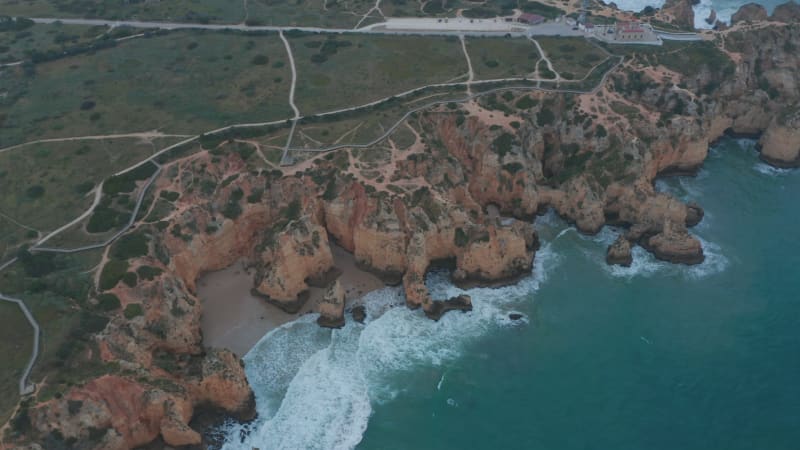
(291, 95)
(543, 55)
(145, 136)
(471, 72)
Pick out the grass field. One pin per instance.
(16, 341)
(56, 296)
(17, 45)
(321, 13)
(47, 185)
(572, 57)
(172, 10)
(364, 126)
(338, 72)
(494, 58)
(181, 82)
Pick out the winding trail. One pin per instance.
(98, 194)
(546, 59)
(471, 73)
(144, 135)
(24, 387)
(291, 97)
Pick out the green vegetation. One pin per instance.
(369, 68)
(526, 102)
(107, 302)
(133, 310)
(202, 11)
(58, 300)
(112, 273)
(494, 58)
(686, 58)
(503, 144)
(572, 57)
(129, 246)
(148, 272)
(460, 238)
(64, 173)
(182, 91)
(547, 11)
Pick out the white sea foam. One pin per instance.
(766, 169)
(327, 380)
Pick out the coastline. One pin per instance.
(235, 319)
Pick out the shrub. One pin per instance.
(148, 272)
(107, 302)
(169, 195)
(260, 60)
(130, 246)
(130, 279)
(545, 117)
(84, 188)
(87, 105)
(133, 310)
(112, 273)
(34, 192)
(460, 239)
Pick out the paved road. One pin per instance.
(669, 36)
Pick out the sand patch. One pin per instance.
(235, 319)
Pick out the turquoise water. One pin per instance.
(652, 357)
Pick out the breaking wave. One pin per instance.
(314, 387)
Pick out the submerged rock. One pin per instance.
(331, 309)
(359, 313)
(515, 316)
(619, 253)
(437, 308)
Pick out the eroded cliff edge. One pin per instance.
(464, 191)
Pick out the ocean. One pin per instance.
(655, 356)
(724, 8)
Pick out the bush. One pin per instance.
(105, 219)
(170, 195)
(107, 302)
(133, 310)
(130, 279)
(460, 239)
(148, 272)
(112, 273)
(130, 246)
(34, 192)
(545, 117)
(36, 265)
(84, 188)
(260, 60)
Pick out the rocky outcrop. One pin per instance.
(788, 12)
(674, 244)
(294, 255)
(619, 253)
(749, 12)
(681, 12)
(780, 144)
(712, 18)
(359, 313)
(331, 309)
(694, 214)
(438, 308)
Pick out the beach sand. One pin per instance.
(235, 319)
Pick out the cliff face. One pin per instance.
(465, 194)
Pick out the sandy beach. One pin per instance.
(235, 319)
